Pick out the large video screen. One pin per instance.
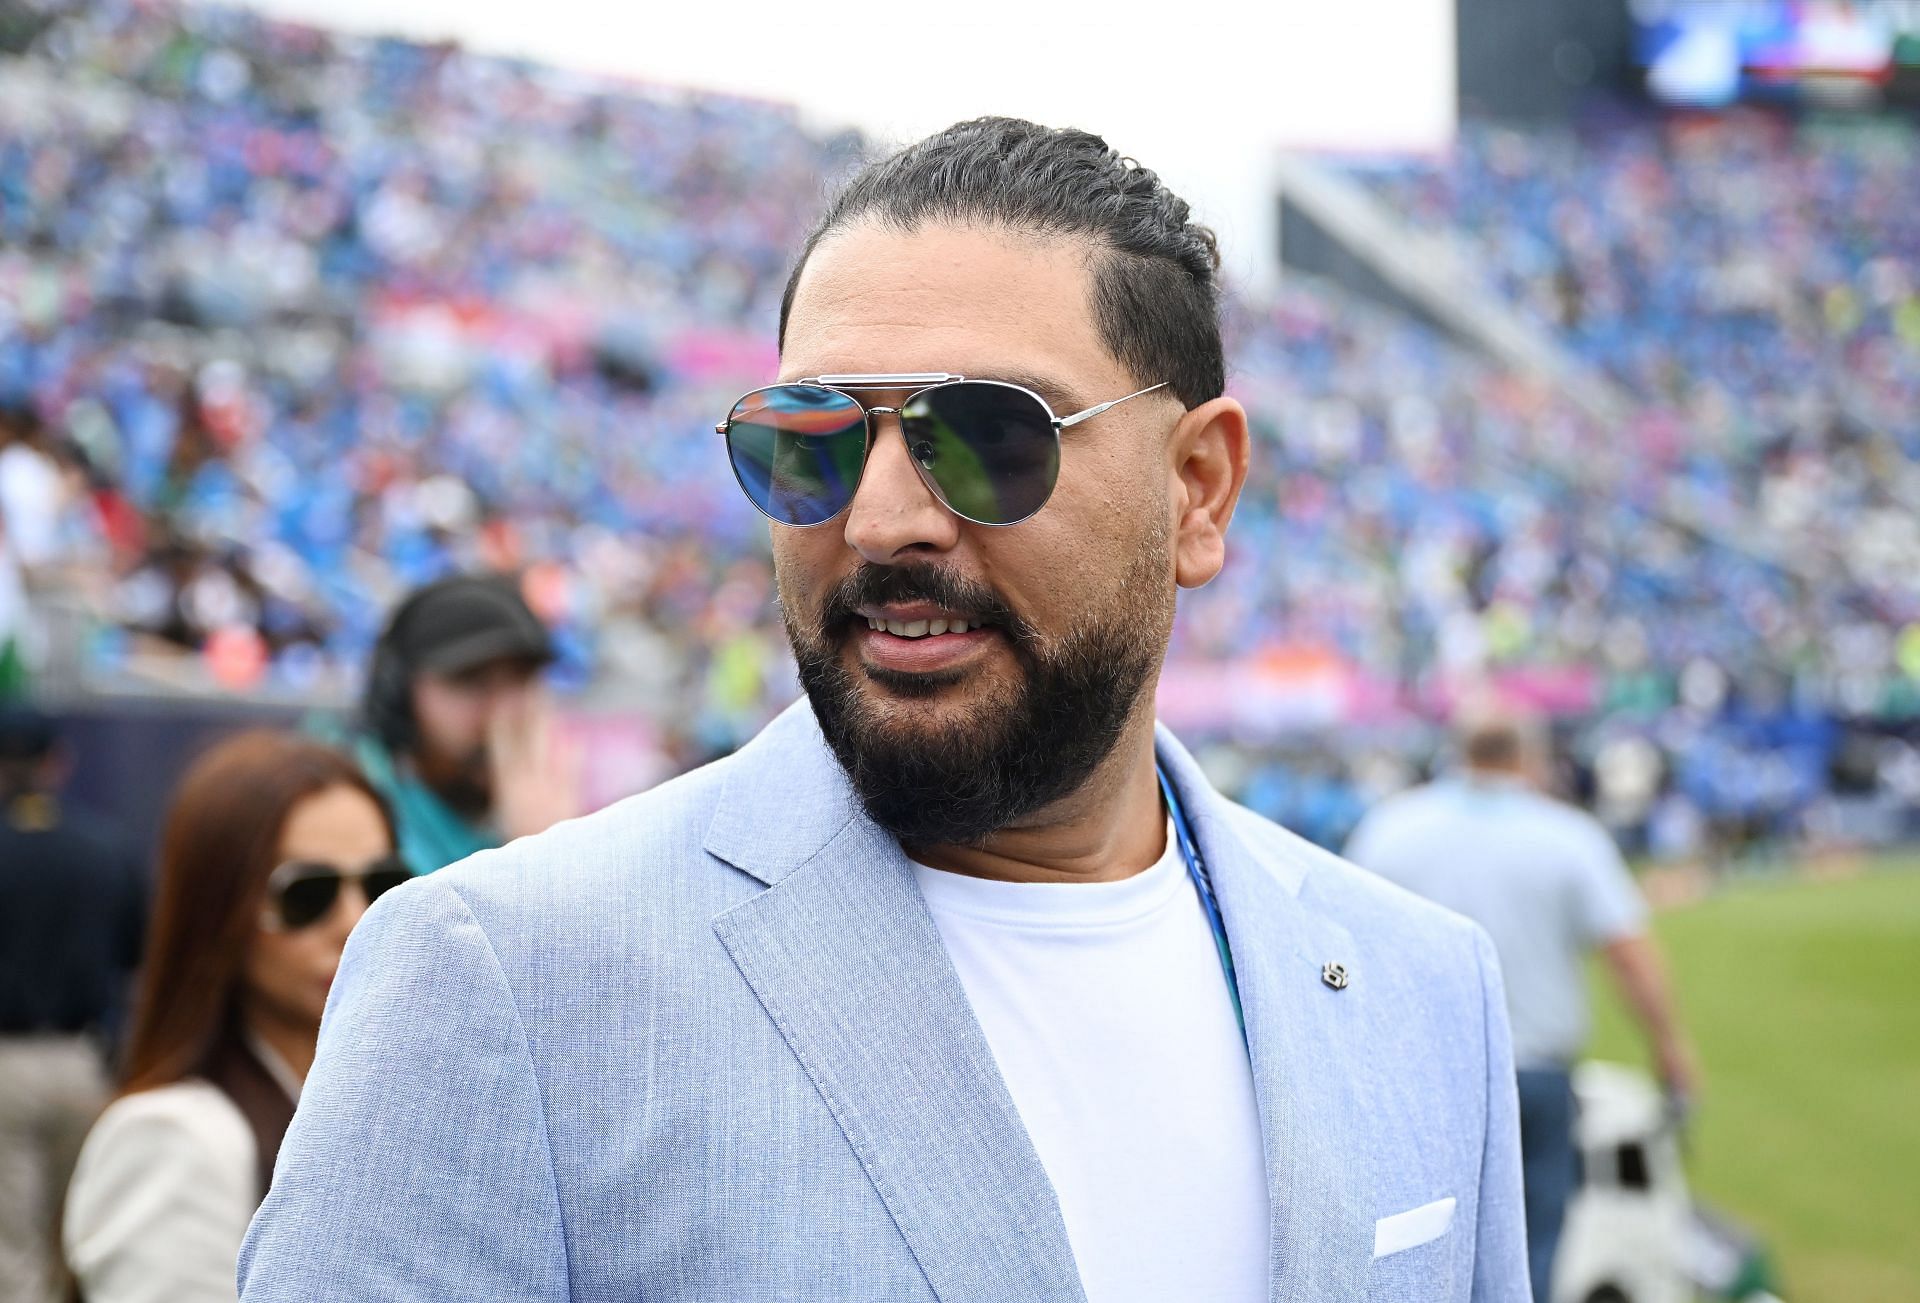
(1713, 52)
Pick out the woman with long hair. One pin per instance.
(273, 850)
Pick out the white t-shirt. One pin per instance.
(1109, 1017)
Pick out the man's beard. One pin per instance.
(464, 784)
(1006, 757)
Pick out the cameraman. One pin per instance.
(456, 728)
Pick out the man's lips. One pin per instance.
(918, 637)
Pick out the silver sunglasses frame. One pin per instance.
(918, 382)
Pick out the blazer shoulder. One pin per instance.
(1357, 899)
(663, 823)
(578, 884)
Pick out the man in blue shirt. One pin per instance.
(1547, 883)
(454, 727)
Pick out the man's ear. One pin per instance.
(1210, 449)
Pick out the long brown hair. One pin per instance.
(221, 844)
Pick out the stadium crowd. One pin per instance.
(1748, 277)
(340, 315)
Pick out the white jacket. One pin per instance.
(161, 1198)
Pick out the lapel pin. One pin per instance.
(1335, 975)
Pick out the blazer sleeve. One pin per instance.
(417, 1166)
(160, 1199)
(1500, 1249)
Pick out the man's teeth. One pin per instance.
(919, 628)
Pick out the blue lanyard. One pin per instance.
(1197, 870)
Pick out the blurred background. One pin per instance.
(1581, 339)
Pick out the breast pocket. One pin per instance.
(1413, 1255)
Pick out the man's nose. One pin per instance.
(893, 511)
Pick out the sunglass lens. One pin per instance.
(990, 449)
(797, 451)
(308, 896)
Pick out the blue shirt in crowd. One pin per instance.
(1544, 879)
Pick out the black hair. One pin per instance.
(1156, 274)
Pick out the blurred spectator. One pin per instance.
(71, 909)
(273, 850)
(13, 623)
(457, 728)
(31, 491)
(1547, 884)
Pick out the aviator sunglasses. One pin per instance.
(300, 892)
(988, 449)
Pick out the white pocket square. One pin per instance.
(1412, 1228)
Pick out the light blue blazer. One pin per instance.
(707, 1045)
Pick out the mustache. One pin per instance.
(873, 585)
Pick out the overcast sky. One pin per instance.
(1204, 91)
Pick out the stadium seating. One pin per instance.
(298, 319)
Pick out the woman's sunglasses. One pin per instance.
(302, 892)
(987, 449)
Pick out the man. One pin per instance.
(1548, 885)
(455, 731)
(919, 996)
(72, 907)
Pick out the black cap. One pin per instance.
(25, 733)
(456, 624)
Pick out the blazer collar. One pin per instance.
(785, 797)
(1306, 1039)
(846, 960)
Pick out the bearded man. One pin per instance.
(959, 982)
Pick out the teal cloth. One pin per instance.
(432, 834)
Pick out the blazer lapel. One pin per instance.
(841, 952)
(1304, 1048)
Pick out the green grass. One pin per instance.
(1803, 997)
